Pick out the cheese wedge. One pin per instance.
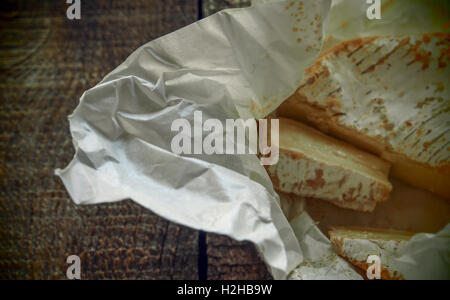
(312, 164)
(357, 244)
(386, 95)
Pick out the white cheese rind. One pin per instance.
(387, 95)
(392, 89)
(358, 250)
(304, 176)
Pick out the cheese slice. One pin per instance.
(357, 244)
(312, 164)
(386, 95)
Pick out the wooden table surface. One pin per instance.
(46, 63)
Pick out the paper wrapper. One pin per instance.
(239, 63)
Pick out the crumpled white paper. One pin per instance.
(320, 261)
(426, 257)
(239, 63)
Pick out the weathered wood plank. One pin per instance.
(232, 260)
(47, 62)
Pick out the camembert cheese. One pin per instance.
(389, 96)
(312, 164)
(357, 244)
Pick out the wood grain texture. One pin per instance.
(232, 260)
(47, 62)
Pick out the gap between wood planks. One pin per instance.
(202, 248)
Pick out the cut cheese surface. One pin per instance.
(312, 164)
(404, 210)
(370, 234)
(357, 244)
(389, 96)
